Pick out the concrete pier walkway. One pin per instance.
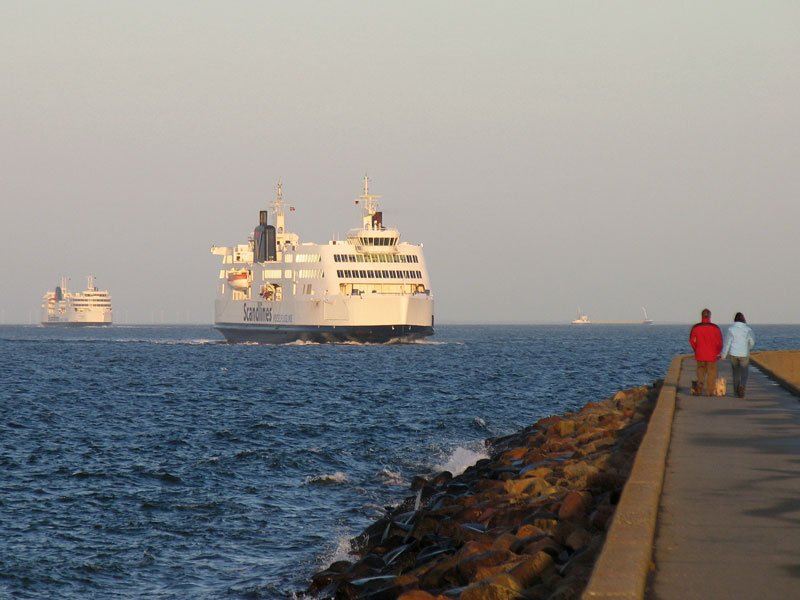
(729, 515)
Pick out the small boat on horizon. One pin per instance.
(646, 321)
(582, 319)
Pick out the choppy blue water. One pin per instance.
(159, 462)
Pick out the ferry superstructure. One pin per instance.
(370, 287)
(89, 307)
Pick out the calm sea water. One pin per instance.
(159, 462)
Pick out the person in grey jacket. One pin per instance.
(739, 339)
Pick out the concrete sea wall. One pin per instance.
(626, 560)
(782, 365)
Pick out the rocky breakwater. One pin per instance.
(526, 523)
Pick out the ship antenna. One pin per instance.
(277, 204)
(369, 204)
(277, 208)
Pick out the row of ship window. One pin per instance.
(268, 274)
(403, 258)
(377, 241)
(106, 303)
(287, 258)
(369, 274)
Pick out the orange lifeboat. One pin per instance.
(238, 280)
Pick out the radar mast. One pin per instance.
(281, 235)
(369, 205)
(277, 209)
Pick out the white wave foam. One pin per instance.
(155, 342)
(424, 342)
(342, 551)
(390, 477)
(427, 342)
(337, 477)
(460, 459)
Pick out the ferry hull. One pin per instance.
(282, 334)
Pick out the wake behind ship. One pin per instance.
(89, 307)
(370, 287)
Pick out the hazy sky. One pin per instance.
(550, 155)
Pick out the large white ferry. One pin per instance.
(370, 287)
(89, 307)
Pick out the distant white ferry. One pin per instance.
(89, 307)
(370, 287)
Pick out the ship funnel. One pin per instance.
(59, 294)
(264, 238)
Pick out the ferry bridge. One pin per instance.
(712, 506)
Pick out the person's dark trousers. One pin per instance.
(739, 366)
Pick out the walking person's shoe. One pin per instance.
(740, 391)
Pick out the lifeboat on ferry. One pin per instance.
(239, 280)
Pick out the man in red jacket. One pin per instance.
(706, 341)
